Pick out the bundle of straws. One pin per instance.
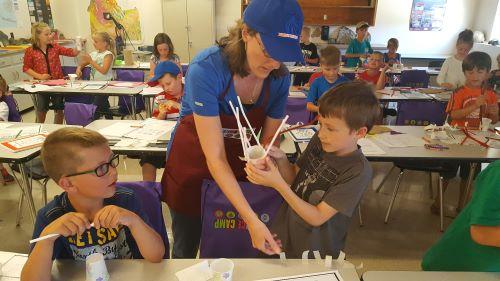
(245, 141)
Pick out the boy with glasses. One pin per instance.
(81, 163)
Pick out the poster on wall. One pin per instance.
(124, 12)
(427, 15)
(39, 11)
(7, 13)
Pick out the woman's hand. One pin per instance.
(262, 239)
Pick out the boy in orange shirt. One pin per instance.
(473, 101)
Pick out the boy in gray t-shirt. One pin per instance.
(326, 184)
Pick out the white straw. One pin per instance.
(248, 122)
(238, 122)
(275, 135)
(49, 236)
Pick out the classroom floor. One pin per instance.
(398, 245)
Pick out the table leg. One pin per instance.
(147, 103)
(27, 189)
(132, 98)
(468, 187)
(33, 98)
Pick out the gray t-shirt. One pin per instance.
(338, 181)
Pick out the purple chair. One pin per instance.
(124, 103)
(414, 79)
(14, 115)
(79, 113)
(420, 113)
(297, 111)
(149, 193)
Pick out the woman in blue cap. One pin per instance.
(246, 64)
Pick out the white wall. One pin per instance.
(227, 12)
(484, 21)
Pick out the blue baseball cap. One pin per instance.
(163, 68)
(279, 23)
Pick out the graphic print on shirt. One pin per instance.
(316, 178)
(111, 242)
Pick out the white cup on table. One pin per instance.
(485, 124)
(222, 269)
(96, 268)
(72, 78)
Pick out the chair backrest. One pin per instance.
(414, 79)
(420, 113)
(296, 109)
(14, 115)
(130, 75)
(79, 113)
(149, 193)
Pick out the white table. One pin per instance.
(245, 269)
(433, 71)
(157, 149)
(22, 157)
(401, 94)
(78, 90)
(429, 276)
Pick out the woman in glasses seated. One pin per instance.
(81, 163)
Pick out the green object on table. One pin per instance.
(119, 62)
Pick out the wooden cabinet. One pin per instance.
(338, 12)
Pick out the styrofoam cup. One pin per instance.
(222, 269)
(485, 124)
(96, 268)
(256, 154)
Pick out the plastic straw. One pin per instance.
(276, 135)
(248, 122)
(49, 236)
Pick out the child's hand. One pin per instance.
(270, 177)
(68, 225)
(385, 68)
(448, 86)
(276, 153)
(481, 100)
(112, 216)
(85, 59)
(45, 76)
(78, 73)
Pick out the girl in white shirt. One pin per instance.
(101, 62)
(451, 75)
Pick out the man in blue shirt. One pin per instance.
(330, 63)
(359, 47)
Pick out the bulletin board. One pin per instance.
(427, 15)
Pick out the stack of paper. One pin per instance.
(369, 147)
(116, 130)
(399, 140)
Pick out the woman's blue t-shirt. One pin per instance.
(208, 76)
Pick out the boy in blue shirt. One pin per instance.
(330, 63)
(82, 164)
(359, 46)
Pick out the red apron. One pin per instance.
(186, 166)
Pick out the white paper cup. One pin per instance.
(222, 269)
(256, 154)
(72, 78)
(485, 124)
(96, 268)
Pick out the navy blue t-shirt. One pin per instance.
(320, 86)
(208, 77)
(113, 243)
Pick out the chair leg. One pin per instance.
(383, 180)
(441, 204)
(394, 193)
(431, 191)
(20, 209)
(44, 191)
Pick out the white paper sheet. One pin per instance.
(198, 272)
(4, 125)
(320, 276)
(369, 147)
(12, 268)
(399, 140)
(151, 91)
(9, 133)
(30, 130)
(117, 130)
(33, 88)
(302, 134)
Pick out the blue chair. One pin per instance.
(14, 115)
(149, 193)
(125, 103)
(414, 79)
(296, 109)
(420, 113)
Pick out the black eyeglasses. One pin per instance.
(102, 169)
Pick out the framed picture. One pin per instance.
(427, 15)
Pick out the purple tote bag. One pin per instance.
(224, 234)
